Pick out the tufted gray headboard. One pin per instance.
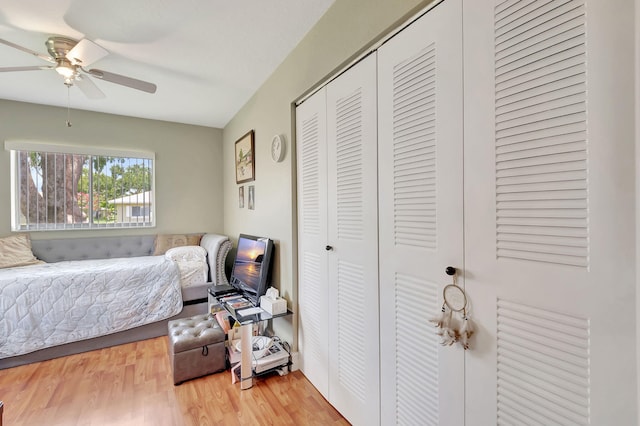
(56, 250)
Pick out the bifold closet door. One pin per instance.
(549, 212)
(338, 242)
(313, 293)
(353, 237)
(421, 229)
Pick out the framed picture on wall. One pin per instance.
(245, 159)
(241, 197)
(251, 196)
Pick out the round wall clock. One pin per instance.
(277, 148)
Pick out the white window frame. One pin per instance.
(14, 146)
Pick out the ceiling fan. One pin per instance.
(69, 59)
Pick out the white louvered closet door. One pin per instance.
(313, 305)
(421, 211)
(352, 234)
(549, 206)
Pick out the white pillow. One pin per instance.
(187, 254)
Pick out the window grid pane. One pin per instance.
(71, 191)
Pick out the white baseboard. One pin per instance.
(295, 361)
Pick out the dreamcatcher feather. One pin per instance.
(450, 329)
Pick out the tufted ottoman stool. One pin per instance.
(196, 347)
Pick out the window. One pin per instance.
(139, 211)
(63, 187)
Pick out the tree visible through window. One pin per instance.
(62, 191)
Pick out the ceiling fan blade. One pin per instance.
(30, 68)
(88, 87)
(124, 81)
(29, 51)
(86, 52)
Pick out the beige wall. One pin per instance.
(188, 162)
(346, 29)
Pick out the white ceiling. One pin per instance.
(207, 57)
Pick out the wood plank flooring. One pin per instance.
(131, 385)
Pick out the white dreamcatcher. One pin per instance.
(454, 324)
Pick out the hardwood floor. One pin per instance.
(131, 385)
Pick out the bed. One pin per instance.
(116, 290)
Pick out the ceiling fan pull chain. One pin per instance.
(68, 105)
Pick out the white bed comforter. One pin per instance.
(56, 303)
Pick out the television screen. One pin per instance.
(252, 266)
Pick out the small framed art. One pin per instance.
(245, 158)
(251, 196)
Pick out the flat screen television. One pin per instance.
(251, 273)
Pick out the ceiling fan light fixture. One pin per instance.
(70, 57)
(65, 69)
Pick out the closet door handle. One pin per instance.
(450, 270)
(328, 248)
